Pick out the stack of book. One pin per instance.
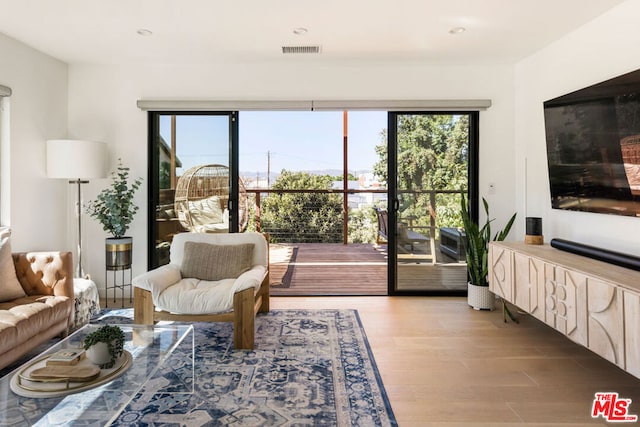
(66, 357)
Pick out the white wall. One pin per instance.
(602, 49)
(102, 106)
(38, 111)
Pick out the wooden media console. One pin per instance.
(593, 303)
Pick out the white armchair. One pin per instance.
(222, 277)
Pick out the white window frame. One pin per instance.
(5, 156)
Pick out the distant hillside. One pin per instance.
(274, 175)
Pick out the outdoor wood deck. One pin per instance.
(354, 269)
(328, 269)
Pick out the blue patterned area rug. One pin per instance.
(309, 368)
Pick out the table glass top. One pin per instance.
(149, 346)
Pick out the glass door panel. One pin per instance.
(430, 172)
(192, 184)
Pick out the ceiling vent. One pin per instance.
(301, 49)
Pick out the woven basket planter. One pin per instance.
(480, 297)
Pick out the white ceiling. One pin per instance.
(217, 31)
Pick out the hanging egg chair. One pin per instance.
(202, 199)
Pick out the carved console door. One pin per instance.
(530, 274)
(606, 323)
(565, 303)
(632, 332)
(500, 280)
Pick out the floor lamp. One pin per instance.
(78, 161)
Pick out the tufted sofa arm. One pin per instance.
(45, 273)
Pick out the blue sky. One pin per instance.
(201, 139)
(297, 140)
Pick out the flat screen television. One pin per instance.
(593, 147)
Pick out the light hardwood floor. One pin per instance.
(444, 364)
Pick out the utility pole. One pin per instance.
(268, 169)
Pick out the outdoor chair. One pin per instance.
(202, 198)
(408, 240)
(221, 277)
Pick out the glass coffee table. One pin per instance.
(148, 349)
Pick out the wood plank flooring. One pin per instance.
(444, 364)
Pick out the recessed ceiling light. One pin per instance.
(144, 32)
(300, 31)
(457, 30)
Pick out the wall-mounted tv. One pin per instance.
(593, 147)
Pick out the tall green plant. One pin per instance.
(114, 207)
(478, 242)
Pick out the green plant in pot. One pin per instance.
(477, 251)
(114, 209)
(104, 346)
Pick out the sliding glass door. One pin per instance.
(193, 177)
(397, 201)
(431, 163)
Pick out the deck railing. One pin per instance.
(325, 227)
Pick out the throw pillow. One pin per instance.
(206, 211)
(205, 261)
(10, 287)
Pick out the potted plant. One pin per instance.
(104, 346)
(114, 209)
(477, 249)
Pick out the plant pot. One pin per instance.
(98, 353)
(480, 297)
(118, 253)
(98, 343)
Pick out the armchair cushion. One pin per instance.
(193, 296)
(205, 261)
(158, 279)
(10, 287)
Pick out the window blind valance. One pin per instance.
(5, 91)
(338, 105)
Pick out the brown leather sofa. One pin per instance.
(45, 312)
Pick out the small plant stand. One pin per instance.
(118, 279)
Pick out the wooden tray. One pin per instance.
(51, 381)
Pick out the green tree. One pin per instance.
(433, 155)
(165, 175)
(363, 225)
(350, 177)
(302, 217)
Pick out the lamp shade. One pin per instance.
(76, 159)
